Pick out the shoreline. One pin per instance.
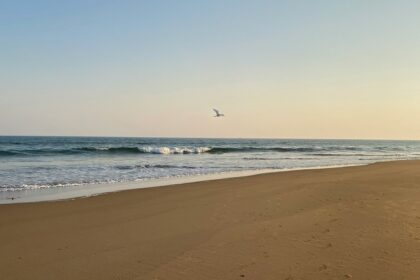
(51, 194)
(359, 222)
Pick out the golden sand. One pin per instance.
(354, 222)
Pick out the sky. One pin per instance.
(277, 69)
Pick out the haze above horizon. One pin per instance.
(277, 69)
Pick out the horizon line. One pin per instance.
(191, 137)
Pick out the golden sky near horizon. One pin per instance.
(277, 69)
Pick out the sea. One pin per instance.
(34, 168)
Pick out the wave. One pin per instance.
(222, 150)
(117, 150)
(150, 150)
(256, 158)
(318, 151)
(7, 153)
(357, 155)
(279, 158)
(157, 166)
(105, 150)
(36, 152)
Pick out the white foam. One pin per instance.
(77, 191)
(174, 150)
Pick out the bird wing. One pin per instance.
(216, 111)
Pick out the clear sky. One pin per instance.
(281, 69)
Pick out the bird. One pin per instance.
(218, 114)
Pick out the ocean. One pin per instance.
(33, 163)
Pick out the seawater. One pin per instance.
(31, 163)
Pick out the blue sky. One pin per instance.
(307, 69)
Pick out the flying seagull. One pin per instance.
(218, 114)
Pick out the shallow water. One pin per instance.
(28, 163)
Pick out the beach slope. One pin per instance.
(354, 222)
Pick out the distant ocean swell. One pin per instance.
(168, 150)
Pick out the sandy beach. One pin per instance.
(343, 223)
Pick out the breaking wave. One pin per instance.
(149, 150)
(166, 150)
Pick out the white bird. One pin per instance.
(218, 114)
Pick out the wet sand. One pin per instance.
(343, 223)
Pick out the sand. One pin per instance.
(344, 223)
